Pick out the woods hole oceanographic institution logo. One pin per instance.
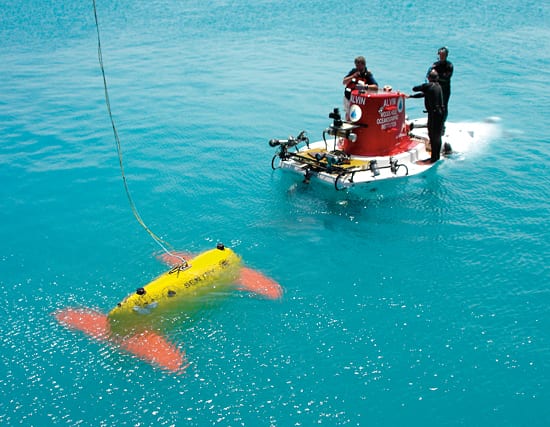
(355, 113)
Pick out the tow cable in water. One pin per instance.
(163, 244)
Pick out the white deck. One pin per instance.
(460, 136)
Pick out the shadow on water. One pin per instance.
(319, 198)
(327, 221)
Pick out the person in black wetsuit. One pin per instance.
(433, 101)
(445, 70)
(360, 72)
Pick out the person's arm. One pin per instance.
(450, 71)
(372, 84)
(420, 90)
(349, 77)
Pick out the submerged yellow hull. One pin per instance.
(175, 291)
(138, 324)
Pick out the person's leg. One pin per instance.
(347, 107)
(446, 96)
(435, 126)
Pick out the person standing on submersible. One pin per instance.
(445, 70)
(433, 101)
(360, 72)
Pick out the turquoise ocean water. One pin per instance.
(422, 302)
